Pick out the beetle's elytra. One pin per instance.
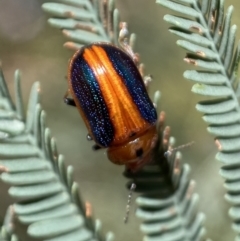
(111, 97)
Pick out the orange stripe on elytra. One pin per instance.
(112, 102)
(121, 90)
(122, 110)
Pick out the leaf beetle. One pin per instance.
(109, 92)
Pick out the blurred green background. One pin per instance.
(29, 44)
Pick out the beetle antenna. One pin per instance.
(132, 188)
(171, 150)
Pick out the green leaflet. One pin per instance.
(7, 229)
(235, 200)
(210, 37)
(225, 130)
(85, 22)
(40, 176)
(198, 50)
(185, 24)
(83, 36)
(64, 10)
(179, 8)
(225, 35)
(216, 106)
(234, 213)
(42, 205)
(28, 162)
(57, 212)
(193, 37)
(232, 144)
(230, 175)
(58, 226)
(225, 118)
(205, 77)
(211, 90)
(230, 158)
(232, 187)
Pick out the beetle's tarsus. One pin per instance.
(96, 147)
(69, 101)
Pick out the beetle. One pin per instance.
(109, 92)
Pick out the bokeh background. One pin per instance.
(29, 44)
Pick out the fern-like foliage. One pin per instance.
(167, 204)
(209, 38)
(48, 197)
(7, 229)
(84, 21)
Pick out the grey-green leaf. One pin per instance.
(216, 106)
(230, 174)
(59, 211)
(55, 226)
(185, 24)
(83, 36)
(230, 47)
(198, 50)
(232, 186)
(76, 235)
(33, 177)
(64, 10)
(234, 212)
(229, 144)
(33, 101)
(36, 191)
(179, 8)
(44, 204)
(13, 127)
(234, 199)
(205, 77)
(18, 150)
(225, 36)
(225, 118)
(228, 158)
(210, 65)
(26, 164)
(72, 24)
(193, 37)
(212, 90)
(225, 131)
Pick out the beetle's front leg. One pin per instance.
(67, 100)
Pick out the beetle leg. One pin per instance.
(89, 138)
(96, 147)
(67, 100)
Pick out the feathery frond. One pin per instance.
(49, 200)
(167, 204)
(84, 22)
(7, 229)
(50, 197)
(210, 38)
(175, 192)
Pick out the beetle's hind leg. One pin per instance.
(67, 100)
